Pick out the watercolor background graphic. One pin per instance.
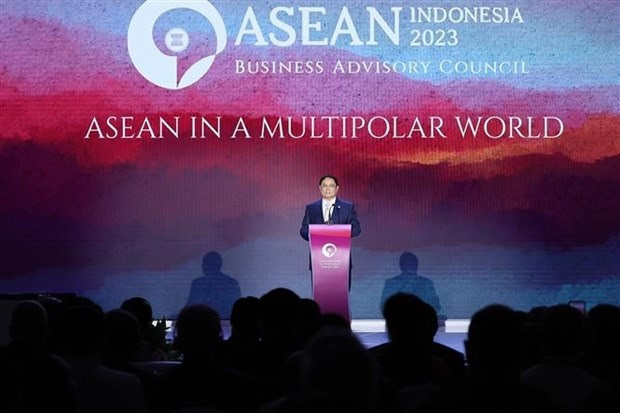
(519, 221)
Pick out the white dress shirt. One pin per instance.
(327, 208)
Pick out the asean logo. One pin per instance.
(329, 250)
(157, 67)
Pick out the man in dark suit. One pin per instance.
(330, 209)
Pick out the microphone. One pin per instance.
(329, 214)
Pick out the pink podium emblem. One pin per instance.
(330, 251)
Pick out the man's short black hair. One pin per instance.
(328, 176)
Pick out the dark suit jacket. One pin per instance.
(343, 213)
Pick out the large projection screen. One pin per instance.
(481, 136)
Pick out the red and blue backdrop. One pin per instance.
(518, 220)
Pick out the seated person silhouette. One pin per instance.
(215, 288)
(408, 281)
(202, 383)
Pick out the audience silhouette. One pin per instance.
(559, 373)
(202, 380)
(284, 356)
(214, 288)
(409, 367)
(408, 358)
(337, 375)
(241, 350)
(279, 317)
(78, 338)
(603, 359)
(32, 379)
(494, 350)
(153, 337)
(123, 346)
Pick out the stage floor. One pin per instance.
(372, 332)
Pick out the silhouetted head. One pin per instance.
(212, 262)
(244, 317)
(141, 309)
(407, 319)
(28, 327)
(408, 262)
(532, 336)
(432, 319)
(52, 305)
(279, 310)
(79, 331)
(337, 373)
(309, 317)
(334, 320)
(604, 322)
(494, 344)
(562, 330)
(535, 314)
(121, 335)
(197, 331)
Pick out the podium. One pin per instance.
(330, 254)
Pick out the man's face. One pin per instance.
(328, 188)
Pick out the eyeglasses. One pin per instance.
(328, 186)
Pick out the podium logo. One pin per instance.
(162, 69)
(329, 250)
